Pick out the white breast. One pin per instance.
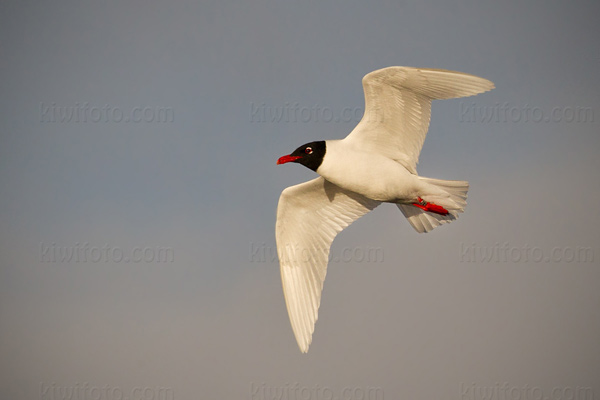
(372, 175)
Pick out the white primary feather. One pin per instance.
(309, 216)
(398, 108)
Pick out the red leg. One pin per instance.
(434, 208)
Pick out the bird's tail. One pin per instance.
(452, 196)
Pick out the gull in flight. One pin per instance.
(376, 163)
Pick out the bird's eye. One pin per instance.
(308, 150)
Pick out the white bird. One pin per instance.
(375, 163)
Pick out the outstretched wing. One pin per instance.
(398, 108)
(309, 216)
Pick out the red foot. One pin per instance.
(434, 208)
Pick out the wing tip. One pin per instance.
(303, 342)
(303, 349)
(438, 84)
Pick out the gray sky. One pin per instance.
(146, 131)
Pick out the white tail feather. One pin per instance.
(453, 197)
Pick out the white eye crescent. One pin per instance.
(308, 150)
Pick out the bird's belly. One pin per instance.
(378, 179)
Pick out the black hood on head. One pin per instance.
(311, 154)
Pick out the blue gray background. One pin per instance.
(431, 318)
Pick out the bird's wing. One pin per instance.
(398, 108)
(309, 216)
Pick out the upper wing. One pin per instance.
(398, 108)
(309, 216)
